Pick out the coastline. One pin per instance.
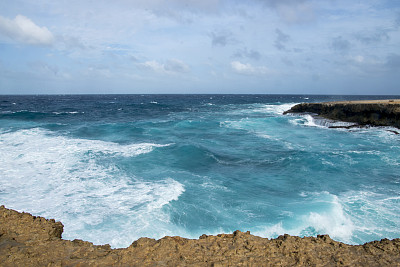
(27, 240)
(363, 112)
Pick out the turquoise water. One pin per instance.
(114, 168)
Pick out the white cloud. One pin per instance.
(248, 69)
(172, 66)
(153, 65)
(24, 30)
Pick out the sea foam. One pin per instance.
(60, 177)
(320, 212)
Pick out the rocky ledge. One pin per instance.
(27, 240)
(372, 112)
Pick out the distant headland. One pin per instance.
(27, 240)
(365, 112)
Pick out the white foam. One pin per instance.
(210, 184)
(376, 215)
(273, 109)
(332, 220)
(69, 112)
(277, 109)
(267, 109)
(271, 231)
(59, 177)
(35, 139)
(353, 217)
(311, 121)
(308, 120)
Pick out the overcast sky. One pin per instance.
(200, 46)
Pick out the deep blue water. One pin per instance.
(114, 168)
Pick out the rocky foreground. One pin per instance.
(372, 112)
(27, 240)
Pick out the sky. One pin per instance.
(207, 46)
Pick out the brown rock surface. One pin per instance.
(26, 240)
(371, 112)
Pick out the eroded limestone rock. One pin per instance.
(27, 240)
(376, 113)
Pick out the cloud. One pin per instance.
(176, 66)
(153, 65)
(172, 66)
(71, 42)
(281, 39)
(275, 3)
(246, 53)
(22, 29)
(397, 20)
(393, 62)
(221, 38)
(374, 37)
(170, 7)
(248, 69)
(360, 65)
(292, 11)
(358, 59)
(287, 62)
(340, 44)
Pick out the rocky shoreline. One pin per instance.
(27, 240)
(372, 112)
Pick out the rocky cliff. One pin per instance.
(375, 112)
(27, 240)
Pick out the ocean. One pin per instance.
(114, 168)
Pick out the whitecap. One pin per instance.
(375, 215)
(320, 213)
(311, 120)
(59, 177)
(335, 221)
(276, 109)
(64, 113)
(272, 109)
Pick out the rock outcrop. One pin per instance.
(374, 112)
(27, 240)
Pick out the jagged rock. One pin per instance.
(26, 240)
(375, 112)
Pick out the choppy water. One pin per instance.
(114, 168)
